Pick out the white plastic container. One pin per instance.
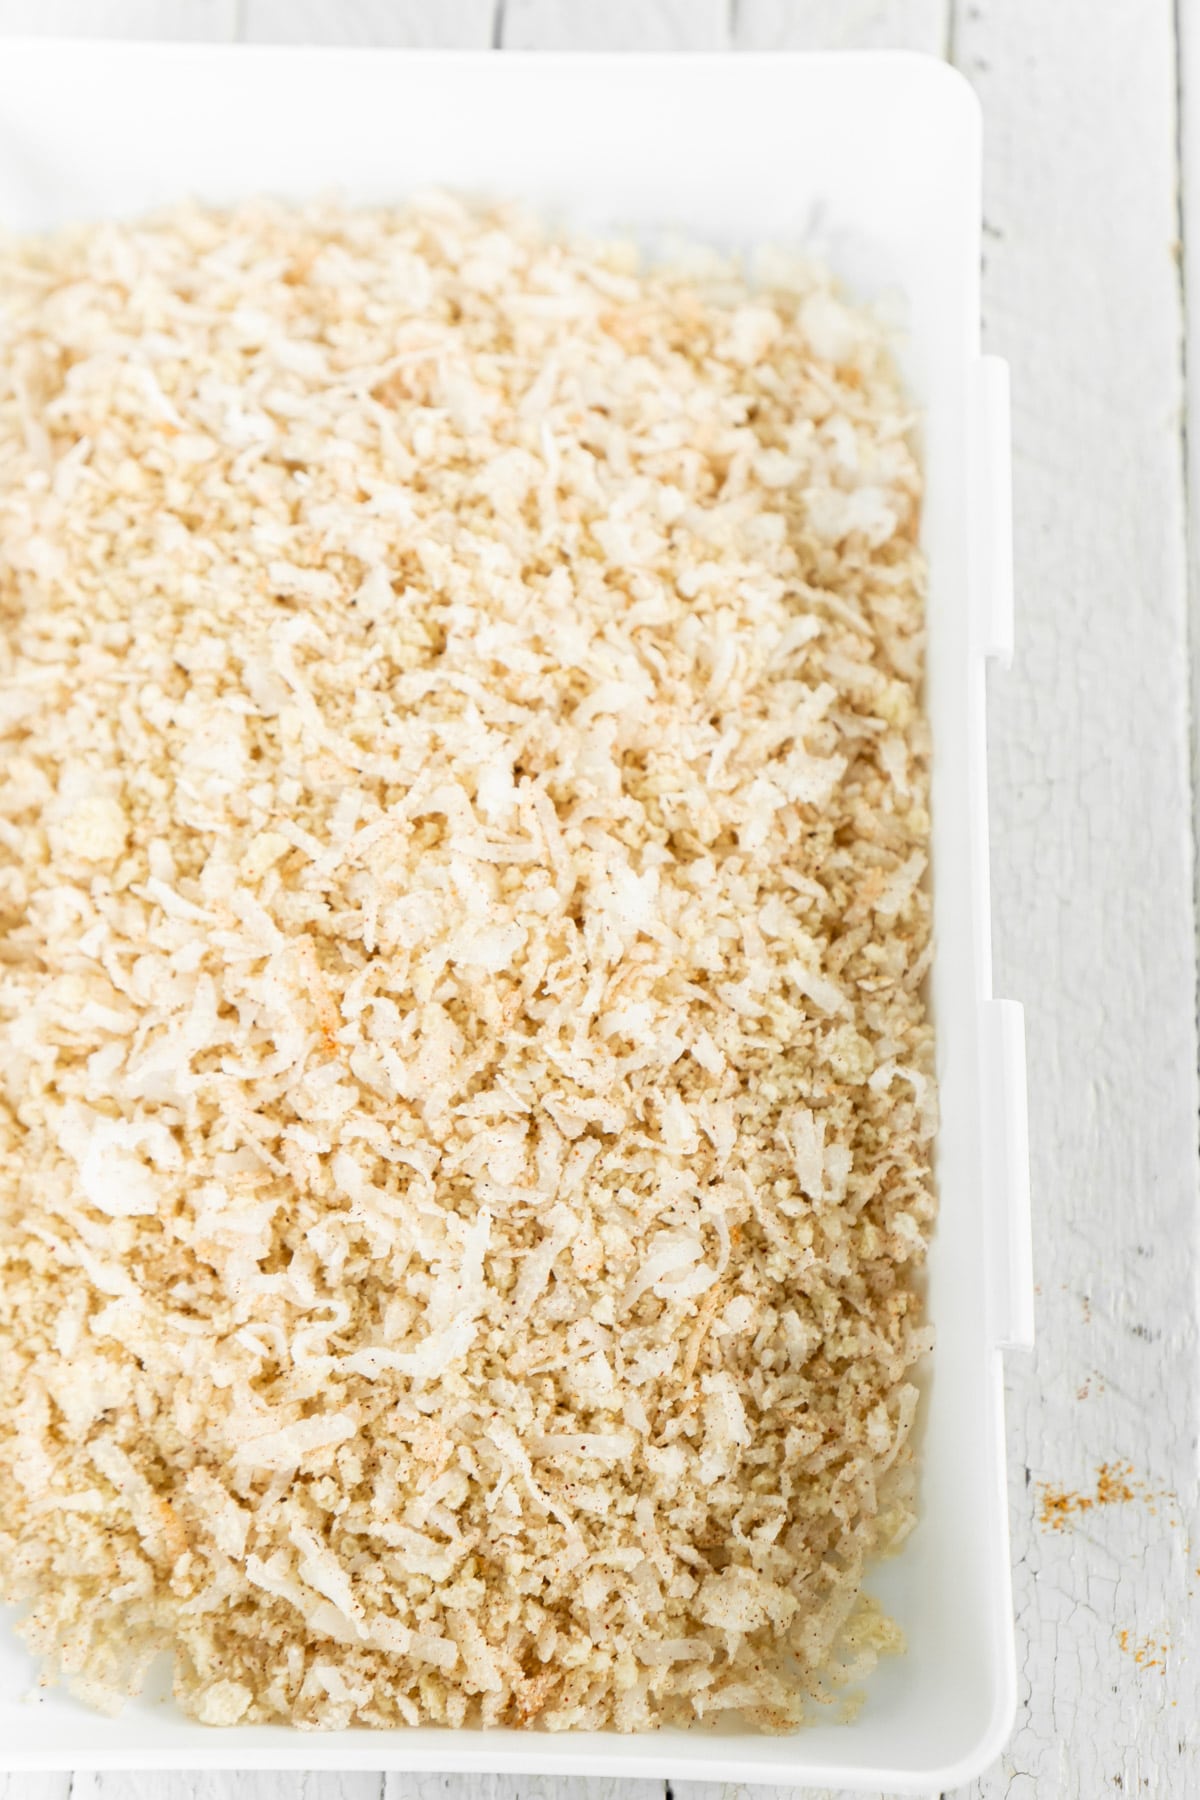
(876, 158)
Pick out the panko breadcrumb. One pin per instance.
(465, 1140)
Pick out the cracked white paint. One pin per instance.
(1092, 834)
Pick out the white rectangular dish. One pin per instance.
(875, 159)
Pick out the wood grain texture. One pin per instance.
(842, 25)
(198, 19)
(448, 24)
(1188, 27)
(512, 1787)
(615, 24)
(219, 1785)
(35, 1787)
(724, 1790)
(1093, 888)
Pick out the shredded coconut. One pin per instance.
(466, 1090)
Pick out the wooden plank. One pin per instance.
(615, 24)
(209, 19)
(511, 1787)
(842, 25)
(35, 1787)
(1093, 888)
(1188, 28)
(433, 24)
(720, 1790)
(217, 1784)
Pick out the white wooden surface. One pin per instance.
(1092, 181)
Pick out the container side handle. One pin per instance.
(991, 505)
(1006, 1152)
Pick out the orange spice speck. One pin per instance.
(1058, 1504)
(1147, 1653)
(1112, 1483)
(1115, 1484)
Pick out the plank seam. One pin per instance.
(498, 25)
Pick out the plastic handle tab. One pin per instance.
(991, 506)
(1006, 1149)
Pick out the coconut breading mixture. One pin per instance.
(465, 1143)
